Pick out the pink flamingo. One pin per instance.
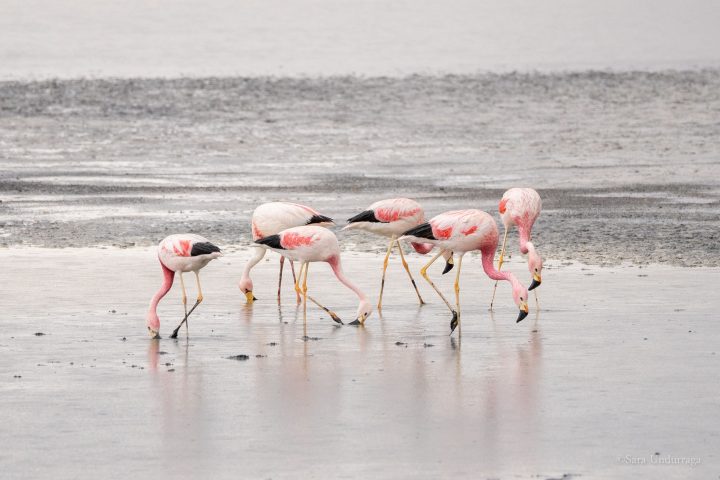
(270, 219)
(180, 253)
(463, 231)
(311, 243)
(391, 218)
(521, 207)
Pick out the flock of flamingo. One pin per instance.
(299, 233)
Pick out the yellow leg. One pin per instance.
(456, 321)
(184, 294)
(385, 265)
(500, 263)
(298, 290)
(187, 314)
(407, 269)
(307, 297)
(423, 272)
(292, 268)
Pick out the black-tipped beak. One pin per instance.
(453, 322)
(535, 282)
(448, 266)
(522, 315)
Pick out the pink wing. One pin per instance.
(394, 209)
(293, 240)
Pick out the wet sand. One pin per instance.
(627, 163)
(621, 361)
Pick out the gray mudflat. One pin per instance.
(628, 164)
(620, 364)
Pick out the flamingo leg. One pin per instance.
(292, 268)
(184, 294)
(385, 265)
(500, 262)
(307, 297)
(423, 272)
(455, 322)
(282, 263)
(407, 269)
(537, 303)
(197, 302)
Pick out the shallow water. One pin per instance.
(619, 362)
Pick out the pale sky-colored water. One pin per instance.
(71, 38)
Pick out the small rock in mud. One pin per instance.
(260, 356)
(162, 353)
(398, 343)
(306, 338)
(171, 369)
(272, 344)
(239, 357)
(17, 376)
(39, 334)
(427, 345)
(124, 339)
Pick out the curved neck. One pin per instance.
(525, 229)
(168, 277)
(257, 256)
(337, 269)
(529, 248)
(488, 257)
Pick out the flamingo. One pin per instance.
(312, 243)
(180, 253)
(521, 207)
(462, 231)
(391, 218)
(270, 219)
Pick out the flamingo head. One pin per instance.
(520, 295)
(363, 312)
(535, 265)
(246, 286)
(153, 325)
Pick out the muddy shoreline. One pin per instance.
(627, 163)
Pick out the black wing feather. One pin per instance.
(319, 219)
(203, 248)
(421, 231)
(272, 241)
(366, 216)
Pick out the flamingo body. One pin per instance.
(312, 243)
(270, 219)
(179, 253)
(521, 207)
(461, 231)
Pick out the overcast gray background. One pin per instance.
(71, 38)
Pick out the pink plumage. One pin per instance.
(390, 218)
(462, 231)
(521, 207)
(180, 253)
(270, 219)
(312, 243)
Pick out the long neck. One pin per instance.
(337, 269)
(488, 257)
(525, 230)
(529, 248)
(168, 277)
(257, 256)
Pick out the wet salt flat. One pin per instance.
(615, 374)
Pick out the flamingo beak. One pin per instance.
(250, 297)
(453, 322)
(523, 312)
(536, 281)
(448, 265)
(154, 334)
(360, 320)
